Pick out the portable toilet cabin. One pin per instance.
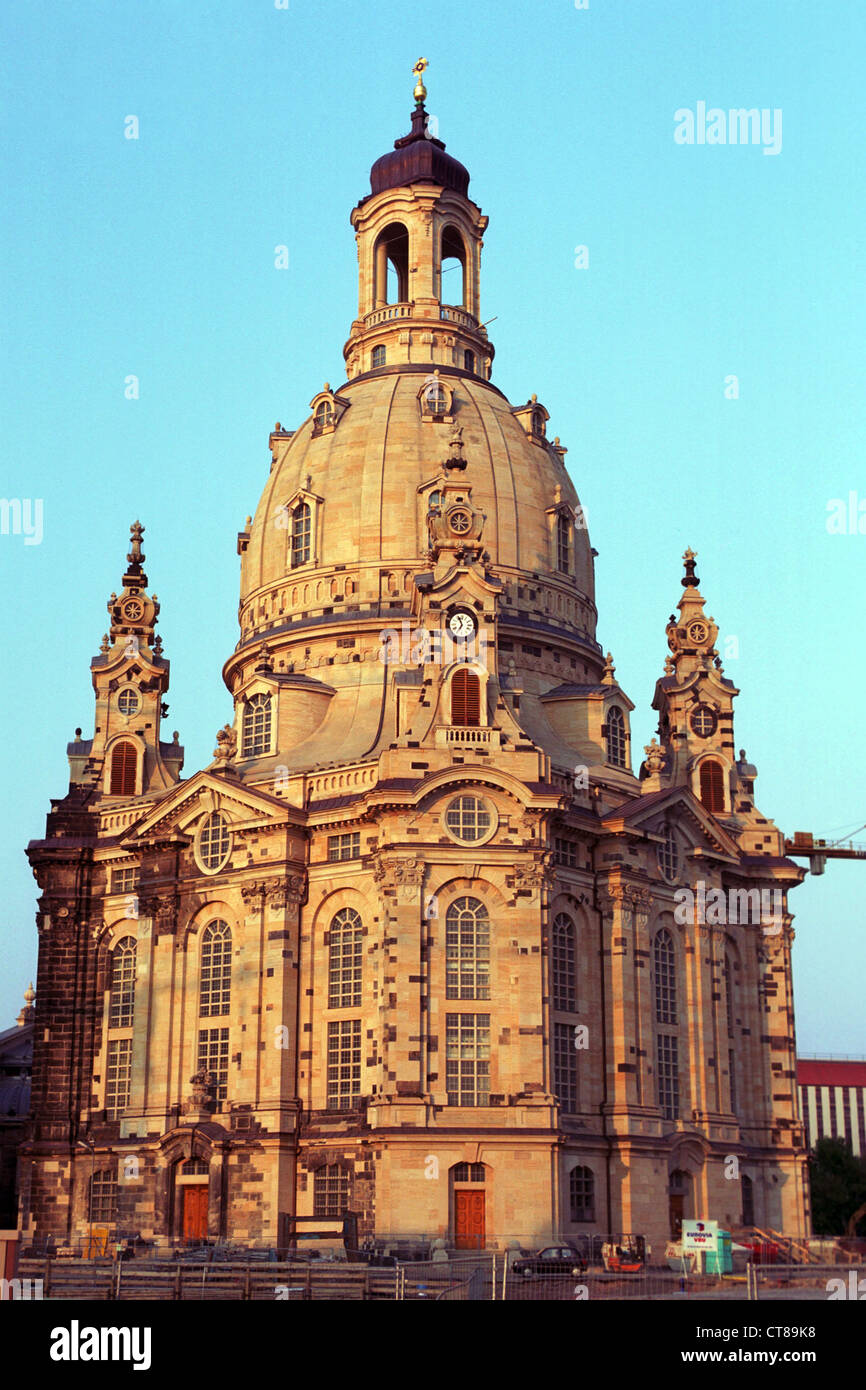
(720, 1260)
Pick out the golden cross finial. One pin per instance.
(418, 70)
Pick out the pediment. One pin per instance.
(677, 805)
(182, 807)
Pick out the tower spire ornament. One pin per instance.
(420, 90)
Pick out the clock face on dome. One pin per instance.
(462, 624)
(133, 610)
(698, 632)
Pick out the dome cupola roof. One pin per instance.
(418, 158)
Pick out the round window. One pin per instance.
(214, 842)
(127, 701)
(468, 819)
(703, 721)
(460, 522)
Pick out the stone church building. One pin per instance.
(413, 946)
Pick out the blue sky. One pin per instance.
(257, 128)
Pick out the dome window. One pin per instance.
(301, 527)
(615, 734)
(378, 357)
(257, 727)
(434, 400)
(563, 544)
(327, 411)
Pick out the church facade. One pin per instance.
(419, 944)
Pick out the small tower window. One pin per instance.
(378, 356)
(469, 361)
(127, 701)
(712, 787)
(257, 727)
(452, 274)
(616, 737)
(324, 415)
(391, 266)
(301, 529)
(124, 763)
(563, 544)
(703, 721)
(465, 698)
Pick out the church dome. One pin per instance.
(371, 477)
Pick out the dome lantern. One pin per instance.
(419, 260)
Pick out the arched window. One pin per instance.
(469, 361)
(616, 737)
(665, 977)
(301, 529)
(324, 415)
(563, 543)
(467, 950)
(257, 727)
(581, 1183)
(667, 1040)
(345, 959)
(729, 994)
(433, 500)
(562, 959)
(102, 1198)
(468, 1172)
(391, 266)
(452, 273)
(712, 787)
(216, 970)
(748, 1194)
(465, 698)
(378, 356)
(332, 1190)
(124, 763)
(121, 999)
(214, 841)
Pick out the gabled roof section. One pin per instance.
(632, 814)
(229, 793)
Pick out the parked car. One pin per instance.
(561, 1260)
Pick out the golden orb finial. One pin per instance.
(420, 90)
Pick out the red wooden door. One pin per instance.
(195, 1211)
(469, 1220)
